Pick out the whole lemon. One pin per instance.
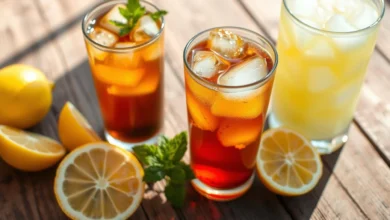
(25, 96)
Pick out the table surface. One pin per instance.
(47, 34)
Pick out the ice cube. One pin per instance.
(321, 48)
(226, 43)
(339, 23)
(301, 33)
(125, 44)
(129, 59)
(118, 76)
(348, 94)
(365, 16)
(323, 14)
(239, 132)
(204, 94)
(303, 8)
(200, 114)
(247, 108)
(326, 4)
(207, 64)
(320, 79)
(154, 50)
(346, 7)
(248, 72)
(114, 15)
(148, 84)
(145, 29)
(104, 38)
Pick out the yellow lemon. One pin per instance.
(25, 96)
(28, 151)
(99, 181)
(73, 129)
(287, 164)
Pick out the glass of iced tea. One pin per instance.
(127, 71)
(229, 73)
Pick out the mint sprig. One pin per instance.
(164, 162)
(133, 12)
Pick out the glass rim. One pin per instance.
(123, 49)
(374, 24)
(213, 85)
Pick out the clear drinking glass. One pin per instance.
(321, 73)
(128, 82)
(226, 122)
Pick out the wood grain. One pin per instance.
(358, 188)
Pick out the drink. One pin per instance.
(127, 72)
(229, 76)
(324, 48)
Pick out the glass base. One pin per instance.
(127, 145)
(325, 146)
(221, 194)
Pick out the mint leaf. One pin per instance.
(177, 175)
(164, 161)
(118, 24)
(158, 14)
(187, 169)
(125, 13)
(175, 193)
(133, 12)
(179, 146)
(132, 5)
(139, 12)
(154, 174)
(145, 154)
(152, 161)
(124, 31)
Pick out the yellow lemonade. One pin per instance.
(323, 57)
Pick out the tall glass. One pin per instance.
(320, 76)
(226, 122)
(128, 82)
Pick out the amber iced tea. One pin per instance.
(228, 84)
(127, 73)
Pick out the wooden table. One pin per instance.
(47, 34)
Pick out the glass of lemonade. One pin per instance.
(324, 48)
(229, 74)
(127, 72)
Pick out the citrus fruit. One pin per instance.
(25, 96)
(73, 129)
(99, 181)
(28, 151)
(287, 163)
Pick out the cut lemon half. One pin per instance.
(73, 129)
(99, 181)
(287, 163)
(28, 151)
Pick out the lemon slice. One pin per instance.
(28, 151)
(73, 129)
(99, 181)
(287, 163)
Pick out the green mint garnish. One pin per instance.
(164, 162)
(133, 12)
